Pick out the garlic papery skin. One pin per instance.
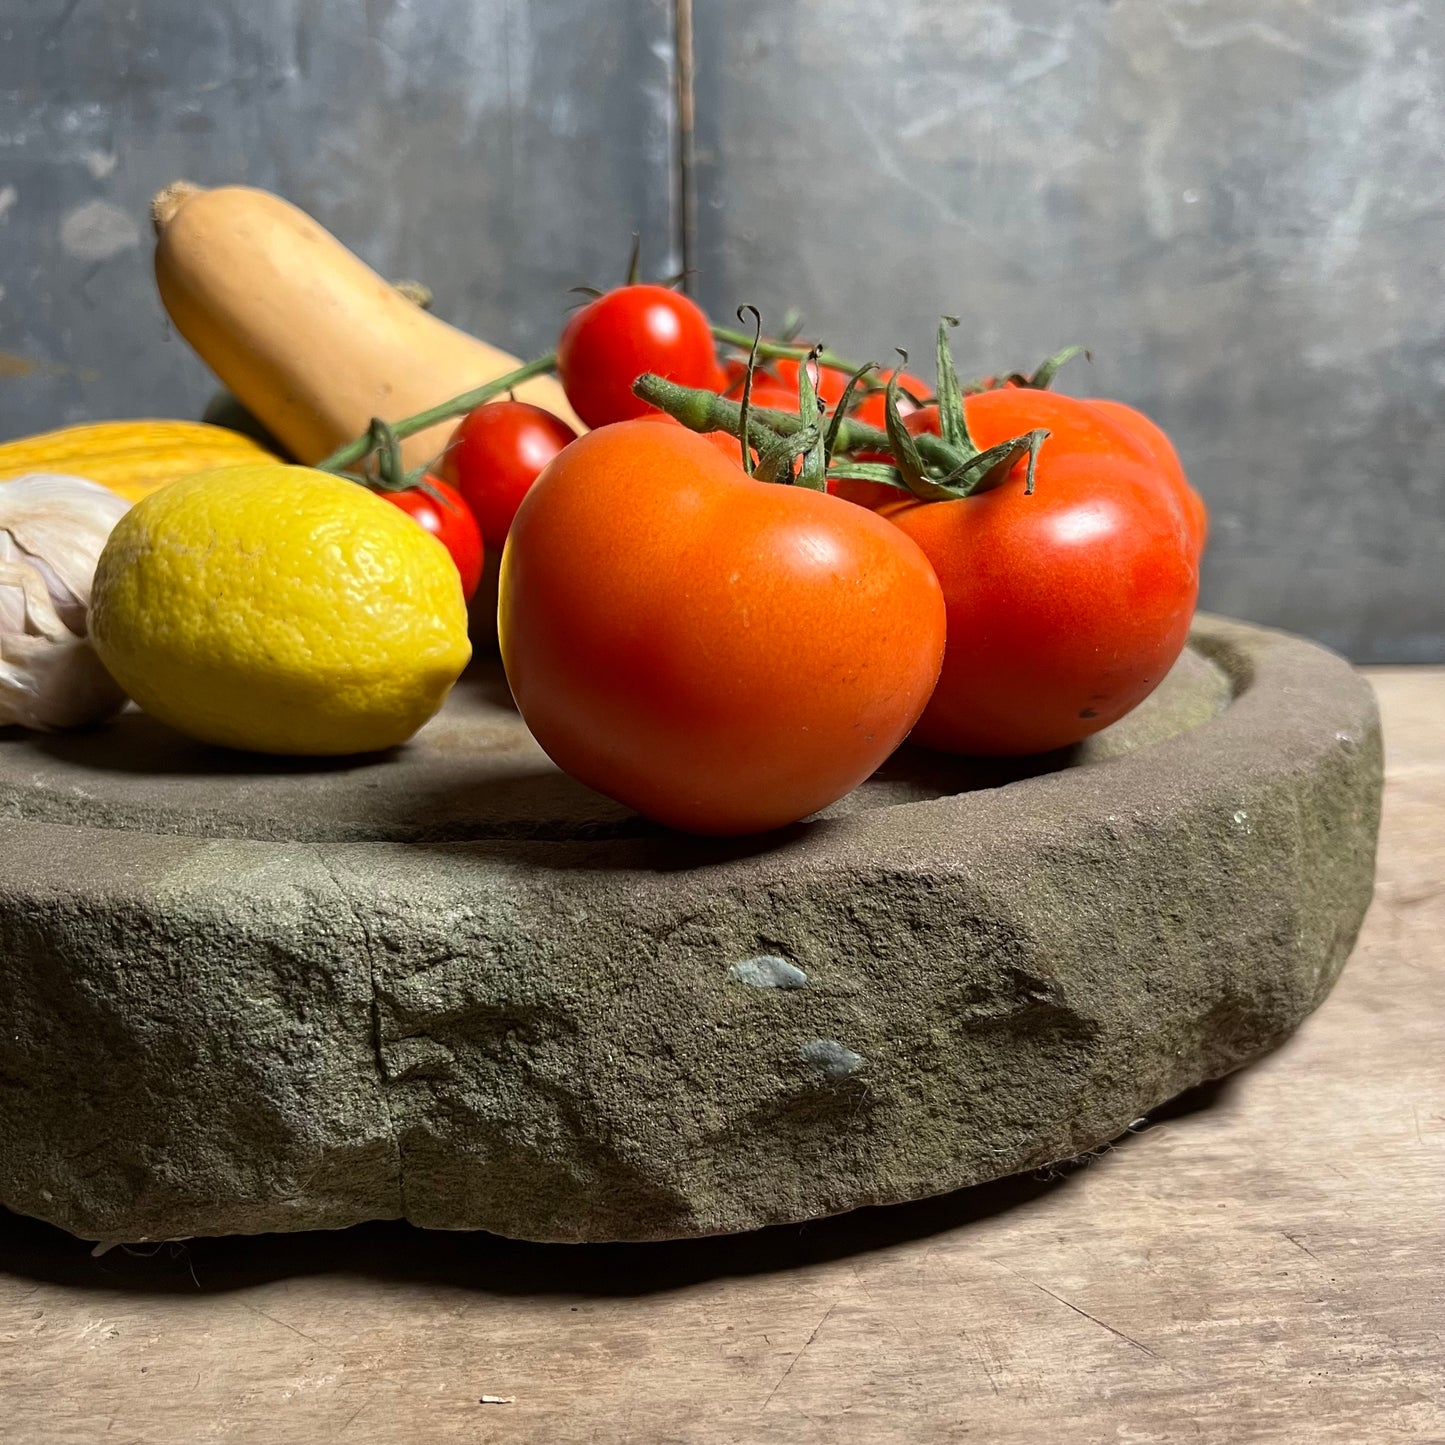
(52, 530)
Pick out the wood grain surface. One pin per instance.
(1260, 1262)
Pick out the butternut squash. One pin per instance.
(311, 339)
(131, 458)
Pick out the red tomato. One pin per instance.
(450, 521)
(1074, 426)
(495, 454)
(1077, 426)
(1162, 450)
(610, 342)
(727, 445)
(1065, 608)
(870, 495)
(723, 655)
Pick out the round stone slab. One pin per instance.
(452, 985)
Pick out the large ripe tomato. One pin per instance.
(1084, 427)
(723, 655)
(494, 456)
(1065, 608)
(607, 344)
(1156, 440)
(450, 521)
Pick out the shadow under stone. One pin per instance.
(397, 1252)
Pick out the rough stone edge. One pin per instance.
(1329, 720)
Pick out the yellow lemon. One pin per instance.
(281, 610)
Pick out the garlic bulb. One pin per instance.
(52, 529)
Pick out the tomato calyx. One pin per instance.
(382, 470)
(1040, 379)
(428, 500)
(787, 348)
(948, 466)
(632, 278)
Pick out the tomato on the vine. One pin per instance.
(1065, 607)
(1077, 426)
(766, 392)
(608, 343)
(497, 451)
(832, 382)
(1156, 440)
(448, 518)
(723, 655)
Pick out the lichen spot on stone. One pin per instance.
(767, 970)
(830, 1058)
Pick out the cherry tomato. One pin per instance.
(495, 454)
(1157, 442)
(450, 521)
(611, 341)
(1065, 608)
(723, 655)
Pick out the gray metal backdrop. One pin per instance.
(1237, 204)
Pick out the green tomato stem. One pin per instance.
(702, 410)
(355, 451)
(777, 350)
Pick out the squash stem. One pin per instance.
(353, 452)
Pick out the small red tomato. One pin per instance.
(450, 521)
(495, 454)
(1065, 607)
(723, 655)
(611, 341)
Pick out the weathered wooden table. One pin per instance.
(1263, 1262)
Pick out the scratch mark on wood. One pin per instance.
(1128, 1339)
(792, 1364)
(1299, 1244)
(355, 1415)
(282, 1323)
